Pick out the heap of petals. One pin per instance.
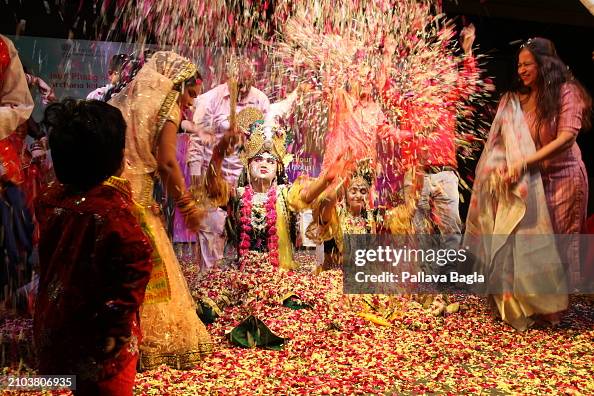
(332, 349)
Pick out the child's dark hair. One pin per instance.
(86, 139)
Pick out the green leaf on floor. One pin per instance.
(252, 332)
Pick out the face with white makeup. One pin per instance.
(263, 167)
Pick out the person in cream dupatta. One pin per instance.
(151, 105)
(524, 279)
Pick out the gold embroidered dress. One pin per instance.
(172, 332)
(332, 233)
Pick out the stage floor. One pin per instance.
(331, 349)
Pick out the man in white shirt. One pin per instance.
(211, 121)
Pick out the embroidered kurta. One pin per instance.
(95, 263)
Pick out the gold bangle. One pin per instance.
(194, 210)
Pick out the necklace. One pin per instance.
(352, 224)
(259, 211)
(259, 198)
(258, 214)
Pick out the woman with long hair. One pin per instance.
(531, 180)
(556, 107)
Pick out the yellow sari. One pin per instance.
(172, 332)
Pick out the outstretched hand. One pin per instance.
(47, 92)
(342, 166)
(515, 171)
(395, 135)
(193, 219)
(331, 177)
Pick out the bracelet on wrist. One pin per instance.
(193, 210)
(185, 205)
(184, 200)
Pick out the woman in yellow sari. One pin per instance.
(151, 104)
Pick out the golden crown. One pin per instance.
(364, 172)
(251, 122)
(247, 117)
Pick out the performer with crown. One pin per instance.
(351, 215)
(263, 206)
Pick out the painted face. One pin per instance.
(356, 196)
(527, 68)
(189, 93)
(263, 166)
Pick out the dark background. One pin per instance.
(498, 23)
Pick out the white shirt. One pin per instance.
(99, 93)
(211, 117)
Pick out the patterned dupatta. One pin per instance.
(518, 273)
(146, 103)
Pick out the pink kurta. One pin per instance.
(564, 175)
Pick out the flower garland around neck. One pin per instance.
(246, 225)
